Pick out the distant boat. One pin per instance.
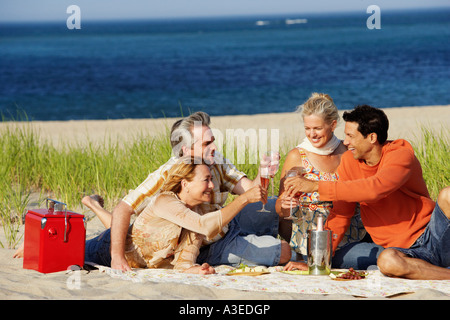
(262, 23)
(296, 21)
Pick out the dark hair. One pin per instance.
(369, 120)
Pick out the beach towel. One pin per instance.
(374, 285)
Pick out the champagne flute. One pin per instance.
(293, 173)
(273, 168)
(264, 173)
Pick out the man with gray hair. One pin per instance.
(250, 238)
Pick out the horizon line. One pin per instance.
(226, 16)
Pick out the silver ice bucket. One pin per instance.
(319, 252)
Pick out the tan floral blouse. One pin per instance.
(167, 234)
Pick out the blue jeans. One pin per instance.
(433, 245)
(98, 249)
(356, 255)
(251, 239)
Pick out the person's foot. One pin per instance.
(93, 201)
(19, 252)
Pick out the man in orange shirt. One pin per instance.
(386, 179)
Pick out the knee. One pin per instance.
(444, 200)
(390, 263)
(285, 255)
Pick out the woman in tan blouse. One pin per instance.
(171, 229)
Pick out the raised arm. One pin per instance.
(392, 173)
(209, 224)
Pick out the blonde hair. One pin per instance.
(320, 104)
(183, 169)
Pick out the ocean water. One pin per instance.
(224, 66)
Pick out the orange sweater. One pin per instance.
(395, 203)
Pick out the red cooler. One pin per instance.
(54, 238)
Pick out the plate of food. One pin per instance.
(349, 275)
(244, 270)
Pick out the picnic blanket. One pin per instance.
(375, 284)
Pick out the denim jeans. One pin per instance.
(251, 239)
(357, 255)
(433, 245)
(98, 249)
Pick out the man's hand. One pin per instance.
(298, 184)
(120, 263)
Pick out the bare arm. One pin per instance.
(246, 184)
(208, 224)
(254, 194)
(121, 216)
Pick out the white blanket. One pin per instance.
(375, 284)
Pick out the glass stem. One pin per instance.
(272, 187)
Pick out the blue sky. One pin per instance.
(55, 10)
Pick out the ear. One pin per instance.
(333, 125)
(373, 138)
(186, 151)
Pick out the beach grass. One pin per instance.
(32, 170)
(433, 152)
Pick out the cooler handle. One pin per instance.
(53, 202)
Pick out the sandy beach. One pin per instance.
(404, 123)
(19, 283)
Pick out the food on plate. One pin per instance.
(244, 269)
(351, 274)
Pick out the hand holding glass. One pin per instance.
(273, 168)
(264, 173)
(292, 173)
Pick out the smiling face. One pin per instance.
(204, 145)
(317, 130)
(199, 190)
(356, 143)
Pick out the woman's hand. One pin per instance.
(288, 202)
(256, 194)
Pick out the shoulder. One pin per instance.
(294, 154)
(293, 159)
(165, 199)
(161, 172)
(398, 151)
(399, 144)
(398, 147)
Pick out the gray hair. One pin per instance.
(181, 132)
(320, 104)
